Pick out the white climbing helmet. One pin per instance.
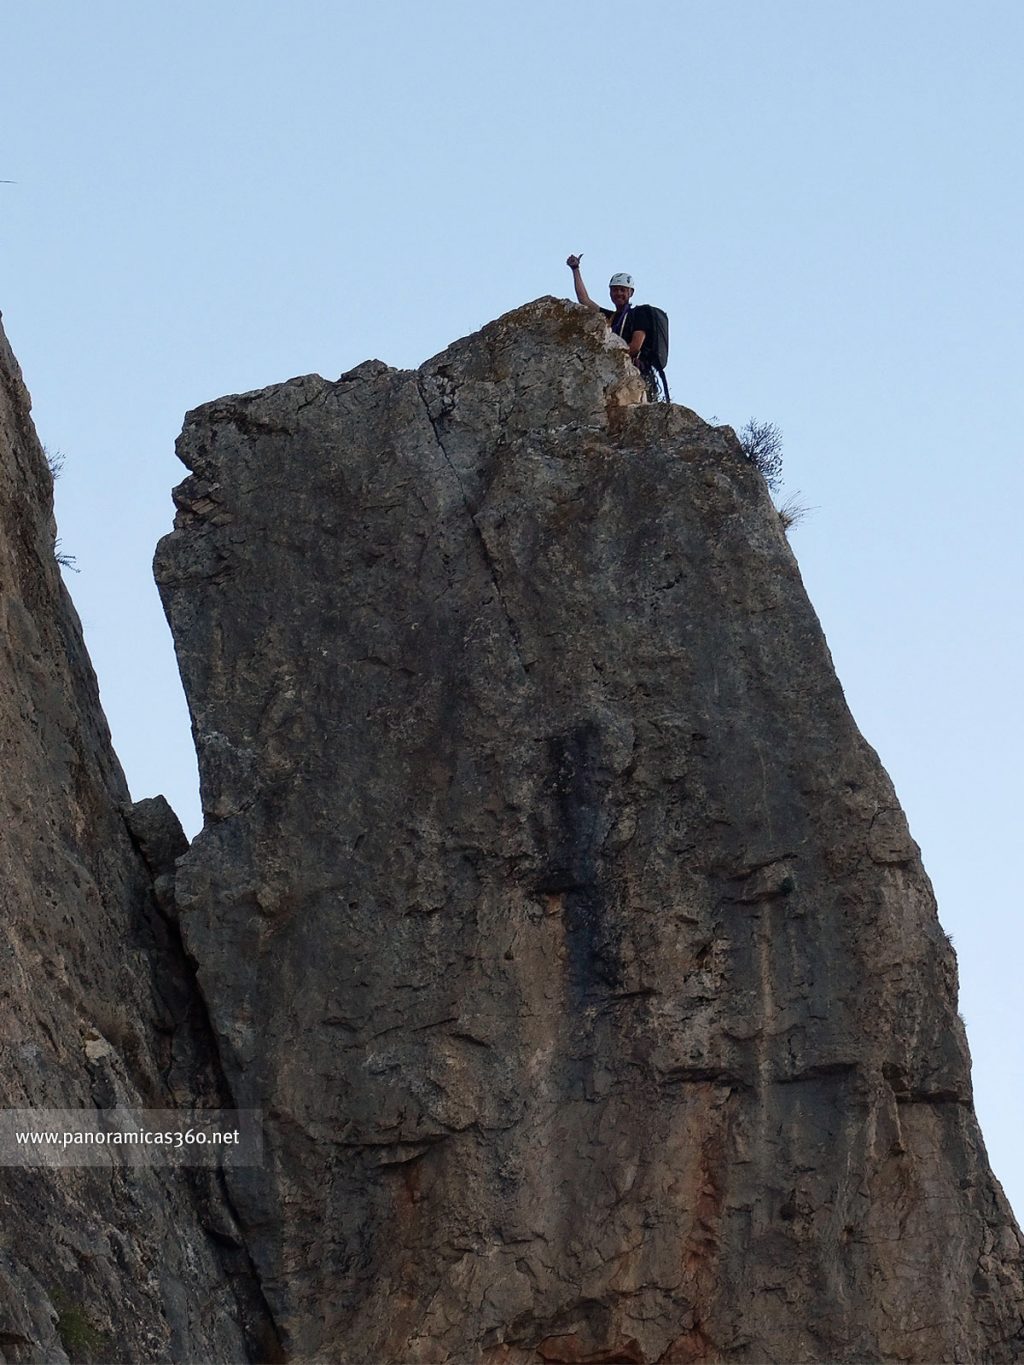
(622, 278)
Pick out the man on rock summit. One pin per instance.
(626, 322)
(620, 287)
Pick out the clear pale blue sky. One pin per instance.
(825, 195)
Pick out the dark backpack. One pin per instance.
(654, 352)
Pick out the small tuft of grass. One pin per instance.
(55, 460)
(65, 561)
(793, 511)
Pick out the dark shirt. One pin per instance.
(621, 323)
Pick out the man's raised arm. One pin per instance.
(581, 289)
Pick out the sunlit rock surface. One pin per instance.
(549, 902)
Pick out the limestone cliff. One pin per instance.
(97, 1003)
(549, 902)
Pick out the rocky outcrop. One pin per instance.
(97, 1004)
(549, 902)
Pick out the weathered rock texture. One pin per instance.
(549, 902)
(97, 1004)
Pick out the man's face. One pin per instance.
(621, 294)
